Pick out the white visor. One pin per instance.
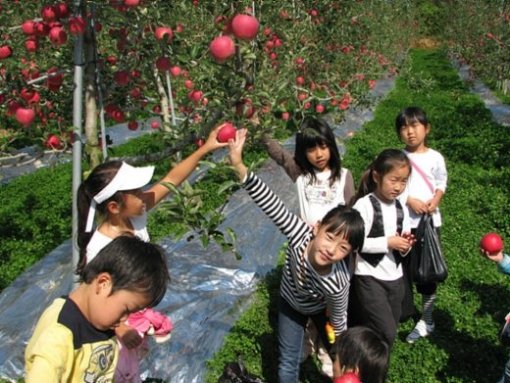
(127, 178)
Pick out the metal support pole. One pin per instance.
(77, 130)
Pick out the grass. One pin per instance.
(473, 301)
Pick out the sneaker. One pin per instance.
(421, 330)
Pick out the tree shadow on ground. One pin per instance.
(471, 358)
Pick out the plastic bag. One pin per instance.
(235, 372)
(428, 263)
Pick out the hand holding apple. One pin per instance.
(236, 153)
(226, 132)
(213, 142)
(491, 243)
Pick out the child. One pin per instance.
(74, 340)
(503, 262)
(426, 188)
(315, 275)
(361, 351)
(114, 189)
(378, 286)
(316, 168)
(322, 184)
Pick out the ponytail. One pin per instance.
(96, 181)
(367, 185)
(385, 162)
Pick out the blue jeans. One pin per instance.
(291, 330)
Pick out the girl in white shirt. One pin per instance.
(377, 288)
(425, 191)
(119, 194)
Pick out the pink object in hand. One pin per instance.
(151, 322)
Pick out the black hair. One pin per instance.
(361, 349)
(316, 131)
(385, 162)
(97, 180)
(348, 222)
(408, 116)
(133, 265)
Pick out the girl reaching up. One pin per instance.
(115, 190)
(322, 184)
(316, 276)
(316, 168)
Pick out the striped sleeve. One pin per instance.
(288, 223)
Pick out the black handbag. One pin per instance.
(428, 263)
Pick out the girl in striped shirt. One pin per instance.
(315, 275)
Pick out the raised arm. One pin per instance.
(182, 170)
(288, 223)
(282, 157)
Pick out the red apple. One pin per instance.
(222, 48)
(136, 92)
(25, 116)
(227, 132)
(54, 81)
(348, 377)
(300, 80)
(31, 96)
(175, 71)
(131, 3)
(155, 125)
(53, 142)
(31, 45)
(285, 116)
(188, 84)
(28, 27)
(77, 25)
(199, 142)
(132, 125)
(112, 60)
(41, 29)
(319, 108)
(49, 13)
(61, 9)
(491, 243)
(164, 33)
(58, 35)
(5, 51)
(195, 95)
(245, 27)
(121, 77)
(163, 64)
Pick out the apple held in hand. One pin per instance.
(491, 243)
(348, 377)
(227, 132)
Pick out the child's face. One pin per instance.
(109, 311)
(393, 183)
(318, 156)
(413, 134)
(327, 248)
(133, 203)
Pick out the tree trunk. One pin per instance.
(92, 143)
(163, 97)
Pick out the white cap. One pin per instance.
(127, 178)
